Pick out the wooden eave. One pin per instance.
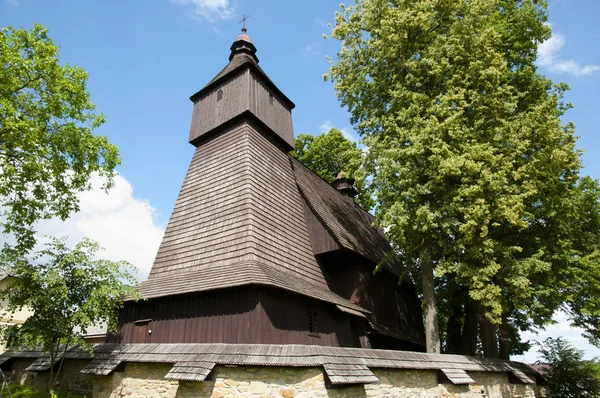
(194, 361)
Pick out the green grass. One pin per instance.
(20, 391)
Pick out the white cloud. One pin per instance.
(549, 57)
(209, 9)
(124, 225)
(311, 50)
(12, 2)
(561, 329)
(320, 22)
(346, 131)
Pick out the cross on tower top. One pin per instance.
(243, 22)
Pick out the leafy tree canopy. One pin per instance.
(476, 177)
(568, 374)
(47, 150)
(330, 153)
(68, 291)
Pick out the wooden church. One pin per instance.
(261, 250)
(264, 282)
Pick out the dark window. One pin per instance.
(313, 322)
(219, 95)
(271, 99)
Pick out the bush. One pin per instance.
(569, 376)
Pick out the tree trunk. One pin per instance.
(432, 334)
(468, 341)
(503, 337)
(487, 331)
(53, 354)
(454, 324)
(61, 364)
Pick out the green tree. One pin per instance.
(68, 291)
(477, 179)
(330, 153)
(47, 150)
(568, 374)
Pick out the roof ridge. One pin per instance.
(325, 181)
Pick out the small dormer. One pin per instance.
(241, 89)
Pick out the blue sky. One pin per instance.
(146, 57)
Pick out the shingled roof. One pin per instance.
(238, 221)
(342, 365)
(242, 274)
(350, 225)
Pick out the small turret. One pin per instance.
(345, 185)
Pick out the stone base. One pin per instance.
(140, 380)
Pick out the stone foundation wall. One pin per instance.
(70, 377)
(140, 380)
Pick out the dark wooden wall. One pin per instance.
(246, 315)
(270, 108)
(243, 91)
(209, 113)
(392, 305)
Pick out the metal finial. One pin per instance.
(243, 22)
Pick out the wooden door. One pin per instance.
(140, 333)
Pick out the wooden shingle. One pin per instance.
(523, 377)
(239, 211)
(351, 226)
(39, 365)
(190, 371)
(458, 376)
(349, 374)
(101, 367)
(342, 365)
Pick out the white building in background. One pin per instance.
(94, 334)
(18, 318)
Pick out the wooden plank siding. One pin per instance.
(209, 113)
(270, 108)
(244, 89)
(395, 306)
(252, 315)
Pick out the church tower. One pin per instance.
(252, 252)
(242, 90)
